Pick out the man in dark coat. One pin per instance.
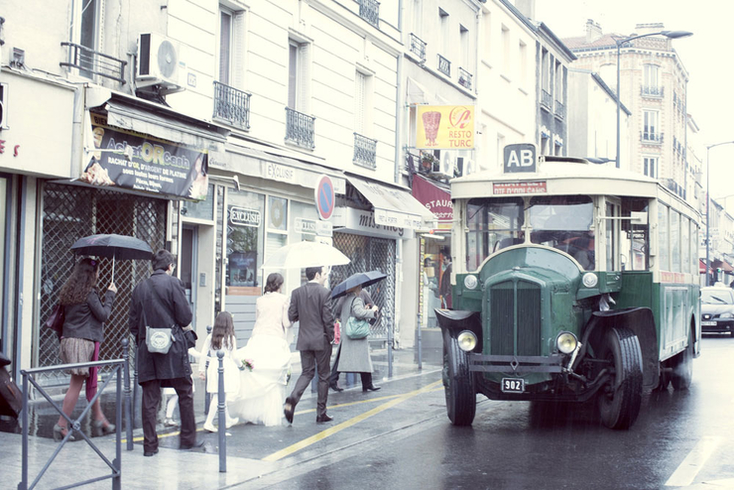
(311, 307)
(160, 302)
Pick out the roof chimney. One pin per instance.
(526, 8)
(593, 31)
(649, 28)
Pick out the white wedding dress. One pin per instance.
(262, 390)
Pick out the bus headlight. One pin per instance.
(467, 340)
(566, 342)
(471, 281)
(590, 280)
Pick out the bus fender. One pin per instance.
(454, 321)
(642, 323)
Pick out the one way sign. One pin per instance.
(520, 158)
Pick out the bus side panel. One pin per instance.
(637, 290)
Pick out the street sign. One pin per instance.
(324, 197)
(520, 158)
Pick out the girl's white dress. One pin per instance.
(262, 390)
(231, 371)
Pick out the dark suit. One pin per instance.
(311, 307)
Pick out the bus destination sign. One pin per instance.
(507, 188)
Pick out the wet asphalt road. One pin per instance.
(400, 437)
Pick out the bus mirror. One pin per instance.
(638, 217)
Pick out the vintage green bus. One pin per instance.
(570, 281)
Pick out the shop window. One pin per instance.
(245, 243)
(200, 209)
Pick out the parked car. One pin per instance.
(717, 310)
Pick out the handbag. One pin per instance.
(55, 321)
(357, 329)
(337, 331)
(157, 340)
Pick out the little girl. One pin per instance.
(222, 337)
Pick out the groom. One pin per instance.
(311, 307)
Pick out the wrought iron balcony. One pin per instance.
(465, 78)
(652, 91)
(231, 106)
(418, 47)
(444, 66)
(651, 138)
(369, 10)
(560, 110)
(546, 100)
(365, 151)
(299, 128)
(90, 63)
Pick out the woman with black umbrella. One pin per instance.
(354, 354)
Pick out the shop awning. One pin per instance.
(723, 265)
(131, 118)
(701, 267)
(435, 198)
(394, 206)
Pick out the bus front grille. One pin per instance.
(514, 327)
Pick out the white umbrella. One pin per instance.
(305, 254)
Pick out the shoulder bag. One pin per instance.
(356, 329)
(55, 321)
(157, 340)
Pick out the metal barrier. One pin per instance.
(115, 367)
(221, 407)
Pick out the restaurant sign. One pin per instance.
(446, 127)
(132, 160)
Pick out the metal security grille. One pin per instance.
(368, 254)
(71, 212)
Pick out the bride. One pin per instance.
(262, 385)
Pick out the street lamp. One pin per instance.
(620, 42)
(708, 202)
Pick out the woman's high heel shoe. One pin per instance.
(60, 432)
(103, 427)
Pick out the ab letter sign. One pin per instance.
(520, 158)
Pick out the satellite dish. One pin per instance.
(167, 59)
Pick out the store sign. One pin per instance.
(435, 199)
(135, 161)
(244, 217)
(508, 188)
(364, 222)
(447, 127)
(313, 227)
(280, 173)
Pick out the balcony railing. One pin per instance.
(546, 100)
(369, 10)
(231, 106)
(365, 151)
(90, 62)
(560, 110)
(444, 66)
(465, 78)
(418, 47)
(652, 91)
(299, 128)
(651, 138)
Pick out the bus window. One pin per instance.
(611, 236)
(493, 224)
(685, 244)
(663, 238)
(564, 222)
(635, 236)
(675, 244)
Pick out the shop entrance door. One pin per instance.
(189, 268)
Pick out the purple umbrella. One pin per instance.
(116, 246)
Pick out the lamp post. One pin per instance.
(620, 42)
(708, 205)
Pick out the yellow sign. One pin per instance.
(445, 127)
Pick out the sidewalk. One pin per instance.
(172, 468)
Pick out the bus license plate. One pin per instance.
(513, 385)
(708, 324)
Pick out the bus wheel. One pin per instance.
(461, 401)
(620, 400)
(683, 368)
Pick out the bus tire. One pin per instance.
(619, 401)
(461, 400)
(682, 374)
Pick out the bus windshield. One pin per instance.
(564, 222)
(493, 224)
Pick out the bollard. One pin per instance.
(128, 395)
(419, 342)
(221, 405)
(207, 396)
(390, 339)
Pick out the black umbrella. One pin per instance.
(116, 246)
(363, 279)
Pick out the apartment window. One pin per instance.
(418, 17)
(545, 71)
(445, 33)
(523, 63)
(651, 77)
(465, 50)
(650, 167)
(297, 68)
(225, 45)
(505, 49)
(88, 30)
(651, 129)
(362, 104)
(559, 81)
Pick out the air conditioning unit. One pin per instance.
(447, 164)
(470, 166)
(159, 68)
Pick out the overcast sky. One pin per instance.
(707, 55)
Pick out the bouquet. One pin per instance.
(247, 364)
